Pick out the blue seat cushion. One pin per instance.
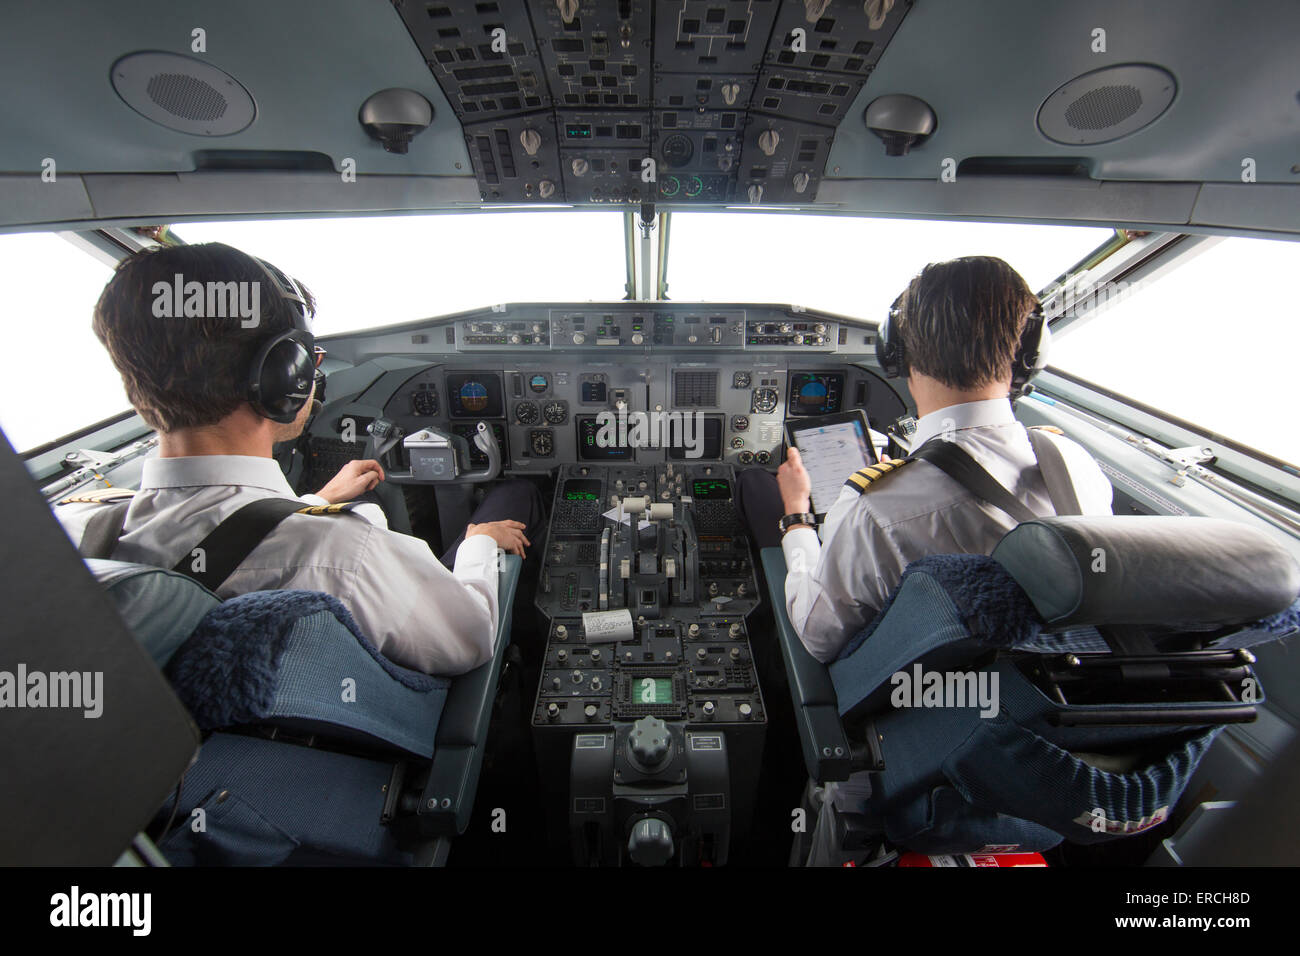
(297, 659)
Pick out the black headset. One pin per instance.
(1029, 360)
(280, 378)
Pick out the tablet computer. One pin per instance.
(832, 448)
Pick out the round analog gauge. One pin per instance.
(739, 422)
(555, 412)
(740, 380)
(542, 443)
(526, 413)
(677, 150)
(425, 402)
(765, 400)
(539, 383)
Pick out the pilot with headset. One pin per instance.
(968, 334)
(221, 390)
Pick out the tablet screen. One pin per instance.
(831, 452)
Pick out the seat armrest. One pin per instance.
(448, 797)
(826, 750)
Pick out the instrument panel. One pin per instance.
(624, 383)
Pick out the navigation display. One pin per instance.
(474, 395)
(832, 448)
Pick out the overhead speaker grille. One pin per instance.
(187, 97)
(1107, 104)
(183, 93)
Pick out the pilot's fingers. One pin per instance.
(514, 524)
(792, 458)
(371, 480)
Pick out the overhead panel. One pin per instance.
(628, 101)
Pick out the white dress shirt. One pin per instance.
(835, 585)
(415, 611)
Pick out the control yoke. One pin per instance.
(435, 457)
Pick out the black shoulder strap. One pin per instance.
(958, 465)
(1060, 487)
(217, 556)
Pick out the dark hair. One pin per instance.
(186, 370)
(960, 321)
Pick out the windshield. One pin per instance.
(369, 272)
(373, 271)
(850, 266)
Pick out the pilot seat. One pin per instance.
(316, 749)
(1062, 689)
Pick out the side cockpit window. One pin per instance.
(55, 377)
(1212, 341)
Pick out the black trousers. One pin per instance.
(758, 501)
(513, 500)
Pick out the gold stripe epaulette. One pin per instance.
(863, 477)
(99, 496)
(335, 509)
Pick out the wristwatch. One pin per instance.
(789, 521)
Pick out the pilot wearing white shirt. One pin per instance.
(189, 378)
(959, 324)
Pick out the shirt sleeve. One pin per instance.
(417, 612)
(833, 588)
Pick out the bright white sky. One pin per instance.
(1167, 346)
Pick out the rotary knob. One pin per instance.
(701, 653)
(515, 338)
(561, 632)
(734, 630)
(693, 630)
(637, 338)
(552, 711)
(579, 338)
(649, 741)
(709, 708)
(595, 654)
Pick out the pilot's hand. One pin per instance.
(794, 483)
(353, 480)
(507, 534)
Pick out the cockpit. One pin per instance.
(641, 263)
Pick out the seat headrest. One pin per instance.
(1148, 570)
(160, 607)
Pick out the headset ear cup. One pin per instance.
(280, 380)
(889, 348)
(1031, 353)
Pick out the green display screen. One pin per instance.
(708, 488)
(579, 496)
(652, 690)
